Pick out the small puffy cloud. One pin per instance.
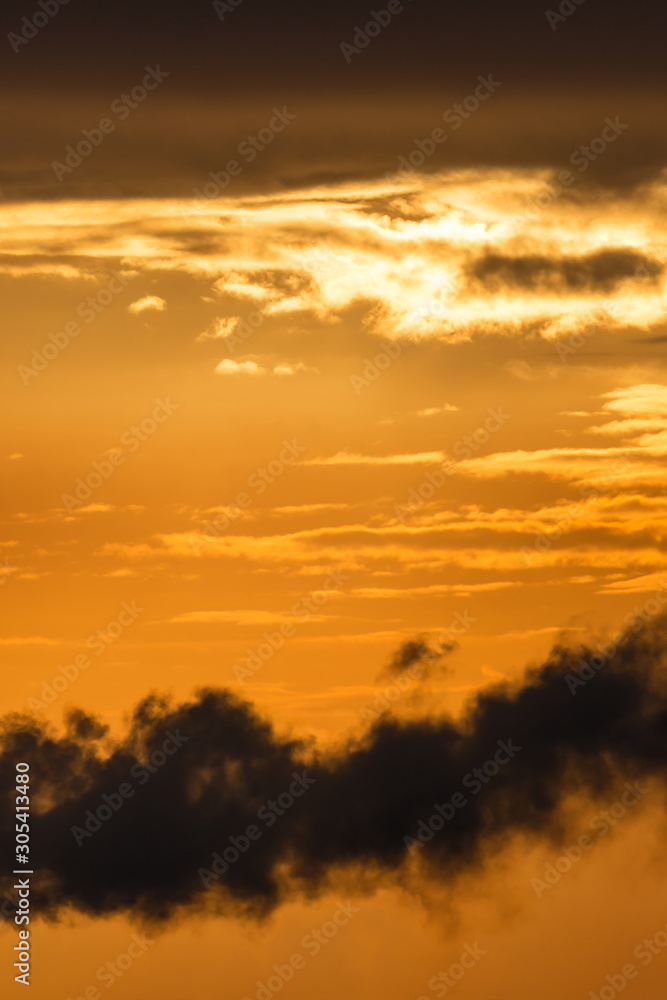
(292, 369)
(148, 302)
(219, 328)
(229, 367)
(432, 410)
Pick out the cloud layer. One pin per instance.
(203, 773)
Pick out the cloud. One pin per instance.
(554, 737)
(433, 410)
(461, 589)
(346, 458)
(639, 424)
(243, 617)
(602, 270)
(637, 585)
(146, 304)
(451, 256)
(220, 328)
(229, 367)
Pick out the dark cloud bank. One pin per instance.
(217, 767)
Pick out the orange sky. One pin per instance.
(261, 437)
(349, 416)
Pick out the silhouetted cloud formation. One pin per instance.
(208, 808)
(601, 271)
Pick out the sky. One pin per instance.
(332, 354)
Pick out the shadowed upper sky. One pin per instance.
(355, 115)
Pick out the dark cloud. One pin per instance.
(226, 764)
(596, 272)
(417, 659)
(355, 119)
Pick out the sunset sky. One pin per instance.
(397, 373)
